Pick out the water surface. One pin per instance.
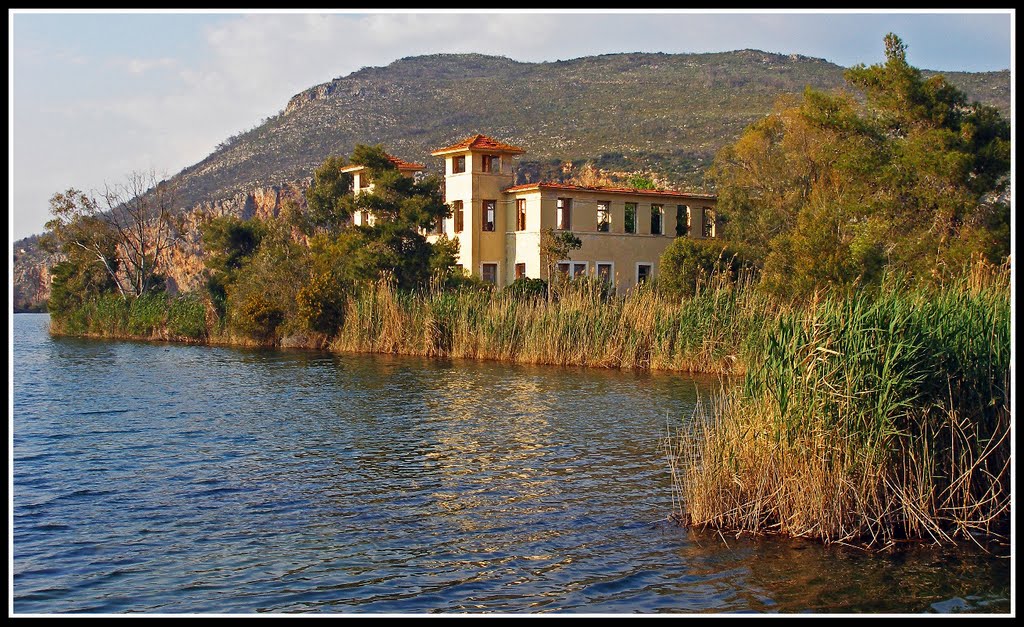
(191, 479)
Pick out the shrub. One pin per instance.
(321, 304)
(689, 263)
(186, 317)
(526, 288)
(257, 317)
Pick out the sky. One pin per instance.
(95, 96)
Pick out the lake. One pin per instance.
(164, 478)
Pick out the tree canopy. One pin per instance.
(127, 233)
(327, 210)
(833, 191)
(402, 209)
(263, 276)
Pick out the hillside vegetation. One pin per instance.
(661, 113)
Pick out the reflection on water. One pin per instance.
(155, 478)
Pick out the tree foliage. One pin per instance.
(116, 244)
(639, 181)
(75, 280)
(402, 210)
(228, 244)
(325, 197)
(557, 246)
(267, 279)
(263, 292)
(836, 193)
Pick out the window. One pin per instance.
(606, 272)
(489, 272)
(459, 271)
(458, 164)
(709, 222)
(630, 221)
(657, 218)
(682, 220)
(489, 214)
(520, 214)
(457, 211)
(576, 268)
(604, 216)
(643, 272)
(490, 163)
(520, 270)
(364, 218)
(564, 217)
(439, 227)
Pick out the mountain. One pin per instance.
(662, 114)
(665, 112)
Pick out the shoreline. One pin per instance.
(291, 343)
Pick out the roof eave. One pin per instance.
(532, 187)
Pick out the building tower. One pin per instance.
(477, 171)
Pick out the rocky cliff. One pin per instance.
(31, 268)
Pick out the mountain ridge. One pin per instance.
(417, 103)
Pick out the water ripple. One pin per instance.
(188, 479)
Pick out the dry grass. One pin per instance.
(707, 333)
(867, 420)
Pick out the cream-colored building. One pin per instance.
(499, 226)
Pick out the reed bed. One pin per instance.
(147, 317)
(866, 419)
(708, 333)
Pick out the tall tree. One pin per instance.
(228, 244)
(832, 192)
(129, 232)
(403, 209)
(949, 159)
(327, 211)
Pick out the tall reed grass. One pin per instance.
(863, 419)
(869, 417)
(709, 332)
(150, 317)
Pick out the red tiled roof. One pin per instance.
(608, 190)
(480, 142)
(400, 164)
(405, 165)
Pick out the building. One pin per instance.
(499, 225)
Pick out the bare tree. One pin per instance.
(130, 233)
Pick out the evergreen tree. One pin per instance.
(403, 209)
(830, 192)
